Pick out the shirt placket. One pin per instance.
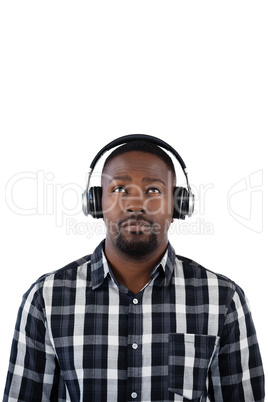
(134, 371)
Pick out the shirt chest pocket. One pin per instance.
(189, 360)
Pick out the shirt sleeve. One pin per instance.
(32, 373)
(237, 373)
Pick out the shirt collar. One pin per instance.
(100, 268)
(166, 267)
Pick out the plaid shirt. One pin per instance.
(187, 335)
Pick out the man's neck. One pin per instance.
(133, 273)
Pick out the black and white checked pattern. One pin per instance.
(187, 335)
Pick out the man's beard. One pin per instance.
(137, 247)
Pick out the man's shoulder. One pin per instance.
(70, 270)
(65, 277)
(193, 271)
(67, 272)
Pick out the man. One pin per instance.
(133, 321)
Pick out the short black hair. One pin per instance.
(142, 146)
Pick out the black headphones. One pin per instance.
(183, 198)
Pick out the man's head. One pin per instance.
(138, 181)
(142, 146)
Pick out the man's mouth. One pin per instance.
(136, 225)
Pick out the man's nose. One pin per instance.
(135, 210)
(135, 201)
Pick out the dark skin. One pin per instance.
(136, 184)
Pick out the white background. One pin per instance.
(76, 75)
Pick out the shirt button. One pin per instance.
(134, 346)
(134, 395)
(135, 301)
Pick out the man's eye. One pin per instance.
(119, 189)
(153, 190)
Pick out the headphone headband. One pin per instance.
(136, 137)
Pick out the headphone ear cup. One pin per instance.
(85, 202)
(94, 202)
(181, 202)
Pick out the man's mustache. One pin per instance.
(135, 219)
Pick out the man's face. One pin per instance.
(137, 203)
